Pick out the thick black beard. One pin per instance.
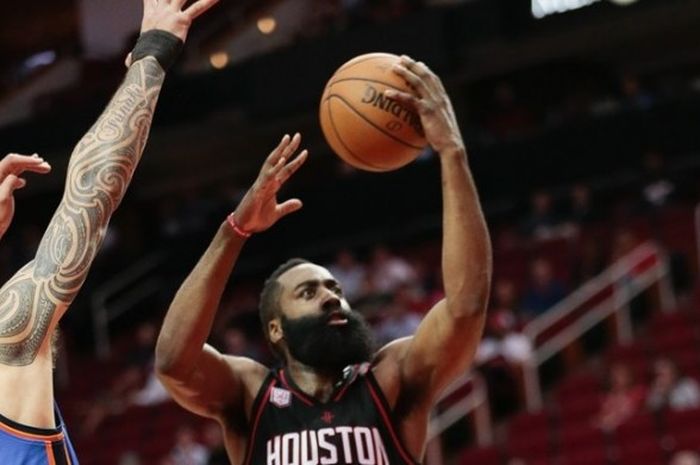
(315, 343)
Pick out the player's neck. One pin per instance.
(317, 384)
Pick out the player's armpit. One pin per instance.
(219, 385)
(442, 348)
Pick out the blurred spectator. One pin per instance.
(398, 319)
(685, 457)
(581, 210)
(187, 451)
(502, 340)
(671, 390)
(634, 97)
(139, 362)
(350, 274)
(508, 118)
(543, 291)
(388, 271)
(589, 262)
(624, 242)
(214, 440)
(236, 342)
(657, 187)
(542, 222)
(130, 458)
(623, 399)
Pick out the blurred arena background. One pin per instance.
(581, 118)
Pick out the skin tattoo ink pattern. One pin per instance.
(99, 172)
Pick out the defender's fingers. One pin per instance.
(199, 7)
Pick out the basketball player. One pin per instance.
(36, 297)
(334, 400)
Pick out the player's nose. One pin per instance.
(331, 304)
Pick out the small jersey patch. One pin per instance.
(280, 397)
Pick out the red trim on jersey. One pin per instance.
(341, 392)
(388, 423)
(258, 414)
(302, 397)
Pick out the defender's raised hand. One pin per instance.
(171, 16)
(164, 29)
(259, 208)
(12, 166)
(432, 104)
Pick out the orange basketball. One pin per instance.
(365, 128)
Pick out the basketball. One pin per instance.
(366, 129)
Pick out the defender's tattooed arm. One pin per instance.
(99, 172)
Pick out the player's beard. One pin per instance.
(315, 343)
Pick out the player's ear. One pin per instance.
(274, 330)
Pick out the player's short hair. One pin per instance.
(269, 305)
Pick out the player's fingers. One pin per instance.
(292, 167)
(404, 97)
(42, 167)
(199, 7)
(15, 164)
(417, 67)
(413, 80)
(292, 147)
(287, 207)
(277, 152)
(9, 185)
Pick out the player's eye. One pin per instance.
(308, 293)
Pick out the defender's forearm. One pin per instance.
(191, 314)
(99, 172)
(466, 249)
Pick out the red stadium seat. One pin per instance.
(481, 456)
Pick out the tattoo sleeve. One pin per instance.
(99, 171)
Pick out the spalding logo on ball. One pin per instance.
(364, 127)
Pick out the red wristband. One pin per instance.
(237, 229)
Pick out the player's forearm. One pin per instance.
(466, 249)
(191, 314)
(104, 160)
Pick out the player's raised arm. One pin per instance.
(199, 377)
(446, 340)
(99, 171)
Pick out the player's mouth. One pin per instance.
(337, 318)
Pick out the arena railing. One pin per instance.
(466, 395)
(120, 294)
(608, 294)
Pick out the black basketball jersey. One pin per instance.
(355, 427)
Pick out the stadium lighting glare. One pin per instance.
(219, 60)
(542, 8)
(267, 25)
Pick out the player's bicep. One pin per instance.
(442, 348)
(213, 386)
